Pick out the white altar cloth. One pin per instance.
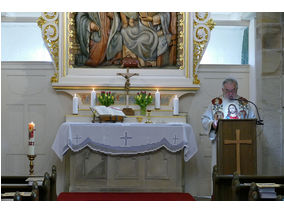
(124, 138)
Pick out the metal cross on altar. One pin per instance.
(238, 142)
(125, 138)
(127, 77)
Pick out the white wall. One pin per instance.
(27, 95)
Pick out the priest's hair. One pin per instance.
(230, 80)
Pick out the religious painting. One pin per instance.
(124, 39)
(218, 115)
(232, 112)
(243, 114)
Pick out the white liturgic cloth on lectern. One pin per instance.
(125, 138)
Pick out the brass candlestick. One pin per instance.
(31, 159)
(148, 121)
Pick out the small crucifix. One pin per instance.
(238, 142)
(127, 77)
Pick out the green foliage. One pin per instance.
(142, 99)
(106, 98)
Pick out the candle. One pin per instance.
(31, 149)
(93, 98)
(157, 99)
(176, 105)
(75, 105)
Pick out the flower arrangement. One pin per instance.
(143, 100)
(106, 98)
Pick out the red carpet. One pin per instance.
(127, 196)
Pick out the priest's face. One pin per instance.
(230, 90)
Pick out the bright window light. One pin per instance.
(22, 42)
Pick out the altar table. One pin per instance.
(125, 138)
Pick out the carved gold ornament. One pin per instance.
(181, 41)
(48, 22)
(201, 35)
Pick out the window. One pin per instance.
(228, 43)
(21, 38)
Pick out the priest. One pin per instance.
(227, 106)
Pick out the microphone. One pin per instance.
(259, 121)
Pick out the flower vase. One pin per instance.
(143, 111)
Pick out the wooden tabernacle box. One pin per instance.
(237, 147)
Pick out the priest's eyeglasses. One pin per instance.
(230, 90)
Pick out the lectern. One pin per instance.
(236, 147)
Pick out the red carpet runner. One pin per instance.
(127, 196)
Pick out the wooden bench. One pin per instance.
(26, 193)
(237, 187)
(23, 185)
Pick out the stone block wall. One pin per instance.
(270, 70)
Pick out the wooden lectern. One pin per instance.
(236, 147)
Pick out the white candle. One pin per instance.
(75, 105)
(157, 100)
(31, 149)
(176, 105)
(93, 98)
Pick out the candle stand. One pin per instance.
(31, 159)
(148, 121)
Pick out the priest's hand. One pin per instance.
(215, 124)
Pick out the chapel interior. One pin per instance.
(38, 85)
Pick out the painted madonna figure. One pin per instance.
(225, 107)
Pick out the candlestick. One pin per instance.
(93, 98)
(157, 100)
(75, 105)
(176, 105)
(31, 159)
(148, 121)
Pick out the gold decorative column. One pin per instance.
(201, 35)
(48, 22)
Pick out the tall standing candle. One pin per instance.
(93, 98)
(31, 150)
(157, 99)
(75, 105)
(175, 105)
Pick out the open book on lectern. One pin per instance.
(106, 111)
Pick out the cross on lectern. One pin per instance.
(238, 142)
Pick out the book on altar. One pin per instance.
(107, 111)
